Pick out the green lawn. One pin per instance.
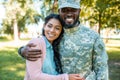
(113, 50)
(12, 66)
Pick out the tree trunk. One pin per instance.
(15, 30)
(99, 23)
(54, 6)
(107, 35)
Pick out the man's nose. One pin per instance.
(69, 15)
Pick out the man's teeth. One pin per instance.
(69, 19)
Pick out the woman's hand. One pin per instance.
(75, 77)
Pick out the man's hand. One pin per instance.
(30, 53)
(75, 77)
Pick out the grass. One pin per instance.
(114, 53)
(12, 67)
(113, 50)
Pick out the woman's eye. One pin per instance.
(57, 28)
(49, 26)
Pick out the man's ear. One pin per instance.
(58, 10)
(79, 10)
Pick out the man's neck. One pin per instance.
(75, 25)
(73, 29)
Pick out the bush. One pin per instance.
(5, 38)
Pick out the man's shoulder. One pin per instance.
(88, 30)
(85, 27)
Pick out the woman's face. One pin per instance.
(52, 29)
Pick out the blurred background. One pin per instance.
(21, 20)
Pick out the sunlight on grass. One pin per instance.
(113, 48)
(113, 53)
(11, 69)
(12, 66)
(19, 65)
(21, 73)
(8, 48)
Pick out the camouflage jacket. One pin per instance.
(83, 51)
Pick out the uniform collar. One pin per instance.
(71, 30)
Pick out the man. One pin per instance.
(82, 50)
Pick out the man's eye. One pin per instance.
(74, 10)
(64, 10)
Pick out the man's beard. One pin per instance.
(67, 26)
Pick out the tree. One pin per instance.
(105, 13)
(18, 13)
(48, 6)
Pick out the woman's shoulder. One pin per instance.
(38, 39)
(39, 42)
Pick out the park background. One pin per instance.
(21, 20)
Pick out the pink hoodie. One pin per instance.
(33, 68)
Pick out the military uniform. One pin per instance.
(83, 51)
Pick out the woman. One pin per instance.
(49, 66)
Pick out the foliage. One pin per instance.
(5, 38)
(21, 11)
(105, 13)
(49, 6)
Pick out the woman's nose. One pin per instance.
(52, 29)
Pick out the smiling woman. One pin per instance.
(47, 67)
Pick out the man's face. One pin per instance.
(69, 16)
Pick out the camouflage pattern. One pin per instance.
(69, 3)
(83, 51)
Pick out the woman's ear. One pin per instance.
(43, 25)
(43, 29)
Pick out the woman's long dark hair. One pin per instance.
(55, 43)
